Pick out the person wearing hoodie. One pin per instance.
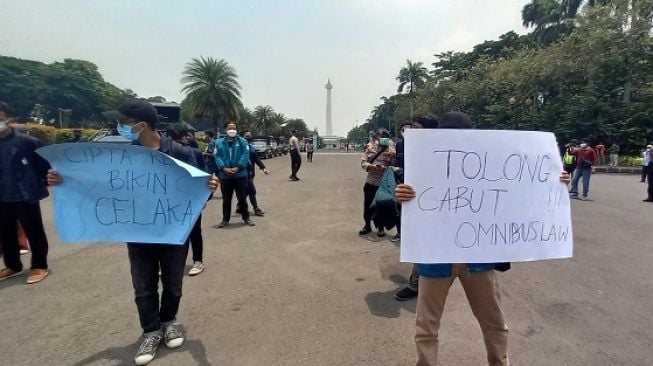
(232, 161)
(22, 187)
(479, 280)
(379, 155)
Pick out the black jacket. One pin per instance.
(254, 160)
(22, 171)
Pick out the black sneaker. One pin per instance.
(648, 200)
(147, 350)
(258, 211)
(364, 231)
(396, 238)
(223, 224)
(380, 233)
(405, 294)
(249, 223)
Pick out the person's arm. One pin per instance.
(256, 160)
(243, 162)
(219, 162)
(42, 166)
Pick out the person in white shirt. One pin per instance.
(295, 158)
(646, 155)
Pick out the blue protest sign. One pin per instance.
(124, 193)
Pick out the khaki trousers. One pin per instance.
(482, 291)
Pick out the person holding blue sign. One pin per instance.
(158, 316)
(232, 160)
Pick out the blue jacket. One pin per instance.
(446, 270)
(237, 157)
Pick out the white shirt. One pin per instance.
(294, 143)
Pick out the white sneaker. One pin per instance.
(24, 251)
(173, 335)
(198, 267)
(147, 350)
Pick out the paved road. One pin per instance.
(301, 288)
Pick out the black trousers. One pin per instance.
(29, 216)
(369, 191)
(145, 261)
(241, 187)
(650, 181)
(309, 156)
(197, 241)
(644, 172)
(251, 192)
(295, 162)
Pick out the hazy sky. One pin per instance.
(283, 51)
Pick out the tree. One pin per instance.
(212, 89)
(263, 119)
(414, 75)
(157, 99)
(294, 124)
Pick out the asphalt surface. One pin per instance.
(301, 288)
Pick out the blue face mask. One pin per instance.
(384, 141)
(126, 132)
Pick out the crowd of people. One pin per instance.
(580, 161)
(231, 161)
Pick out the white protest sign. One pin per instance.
(484, 197)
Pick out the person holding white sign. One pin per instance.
(479, 281)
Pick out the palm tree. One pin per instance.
(278, 119)
(212, 89)
(544, 13)
(414, 75)
(263, 118)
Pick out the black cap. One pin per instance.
(139, 110)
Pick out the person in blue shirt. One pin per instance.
(232, 162)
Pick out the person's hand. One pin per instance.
(228, 171)
(213, 184)
(235, 170)
(593, 170)
(565, 177)
(266, 171)
(404, 193)
(54, 178)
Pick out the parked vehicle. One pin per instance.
(276, 149)
(262, 146)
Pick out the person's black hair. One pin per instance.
(455, 120)
(406, 123)
(4, 107)
(245, 131)
(294, 132)
(427, 121)
(176, 131)
(231, 123)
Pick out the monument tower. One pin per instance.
(329, 126)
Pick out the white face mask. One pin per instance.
(582, 146)
(232, 133)
(3, 126)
